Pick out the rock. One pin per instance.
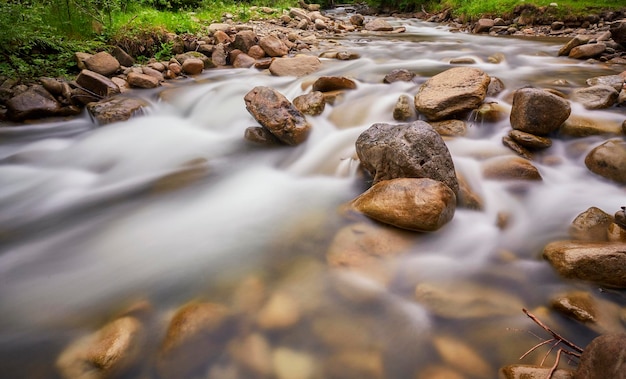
(483, 25)
(378, 25)
(273, 111)
(122, 57)
(589, 50)
(280, 312)
(591, 225)
(453, 91)
(616, 233)
(532, 372)
(35, 103)
(413, 150)
(273, 46)
(466, 301)
(299, 14)
(614, 81)
(450, 128)
(462, 357)
(244, 40)
(510, 168)
(158, 75)
(496, 86)
(181, 58)
(597, 97)
(467, 197)
(243, 60)
(53, 86)
(530, 141)
(102, 63)
(403, 110)
(194, 338)
(192, 66)
(399, 75)
(80, 59)
(107, 353)
(578, 126)
(463, 60)
(608, 160)
(256, 52)
(603, 358)
(574, 42)
(291, 364)
(415, 204)
(98, 84)
(618, 33)
(538, 112)
(346, 364)
(116, 109)
(333, 83)
(601, 316)
(620, 218)
(253, 353)
(312, 103)
(137, 80)
(219, 55)
(439, 372)
(596, 262)
(357, 19)
(298, 66)
(490, 112)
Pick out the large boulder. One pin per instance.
(103, 63)
(422, 204)
(453, 91)
(36, 102)
(537, 111)
(608, 160)
(596, 97)
(97, 84)
(299, 65)
(378, 25)
(589, 50)
(618, 32)
(591, 225)
(116, 109)
(600, 263)
(273, 111)
(413, 150)
(603, 358)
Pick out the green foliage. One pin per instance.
(165, 52)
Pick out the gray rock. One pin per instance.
(273, 111)
(600, 96)
(453, 91)
(413, 150)
(600, 263)
(603, 358)
(36, 102)
(538, 112)
(219, 55)
(399, 75)
(103, 63)
(618, 33)
(608, 160)
(116, 109)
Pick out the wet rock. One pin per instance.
(333, 83)
(243, 60)
(483, 25)
(532, 372)
(116, 109)
(538, 112)
(603, 358)
(599, 315)
(413, 150)
(616, 233)
(490, 112)
(181, 58)
(614, 81)
(122, 57)
(107, 353)
(298, 66)
(516, 147)
(591, 225)
(618, 32)
(354, 364)
(463, 60)
(496, 86)
(103, 63)
(291, 364)
(453, 91)
(273, 46)
(312, 103)
(193, 339)
(467, 197)
(137, 80)
(439, 372)
(597, 97)
(97, 84)
(578, 126)
(378, 25)
(280, 312)
(600, 263)
(253, 353)
(462, 357)
(357, 19)
(620, 217)
(530, 141)
(399, 75)
(450, 128)
(244, 40)
(608, 160)
(156, 73)
(510, 168)
(415, 204)
(466, 300)
(36, 102)
(403, 110)
(273, 111)
(587, 51)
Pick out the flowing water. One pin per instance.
(176, 205)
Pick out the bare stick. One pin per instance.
(548, 353)
(535, 347)
(553, 333)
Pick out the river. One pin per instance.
(175, 205)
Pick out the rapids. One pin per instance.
(175, 204)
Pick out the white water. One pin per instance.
(83, 229)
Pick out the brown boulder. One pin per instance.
(116, 109)
(596, 97)
(97, 84)
(299, 65)
(243, 60)
(589, 50)
(138, 80)
(244, 40)
(591, 225)
(36, 102)
(312, 103)
(333, 83)
(399, 75)
(378, 25)
(537, 111)
(192, 66)
(453, 91)
(273, 111)
(103, 63)
(603, 358)
(273, 46)
(532, 372)
(122, 57)
(510, 168)
(608, 160)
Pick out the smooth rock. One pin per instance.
(618, 32)
(244, 40)
(516, 147)
(378, 25)
(537, 111)
(311, 104)
(404, 109)
(399, 75)
(346, 364)
(413, 150)
(116, 109)
(97, 84)
(586, 51)
(600, 315)
(532, 372)
(597, 97)
(615, 81)
(421, 204)
(483, 25)
(273, 111)
(36, 102)
(103, 63)
(273, 46)
(333, 83)
(580, 126)
(291, 364)
(603, 358)
(280, 312)
(462, 357)
(616, 233)
(298, 66)
(256, 52)
(192, 66)
(453, 91)
(510, 168)
(591, 225)
(608, 160)
(450, 128)
(137, 80)
(243, 60)
(600, 263)
(122, 57)
(530, 141)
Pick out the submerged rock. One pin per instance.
(116, 109)
(510, 168)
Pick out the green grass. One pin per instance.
(477, 8)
